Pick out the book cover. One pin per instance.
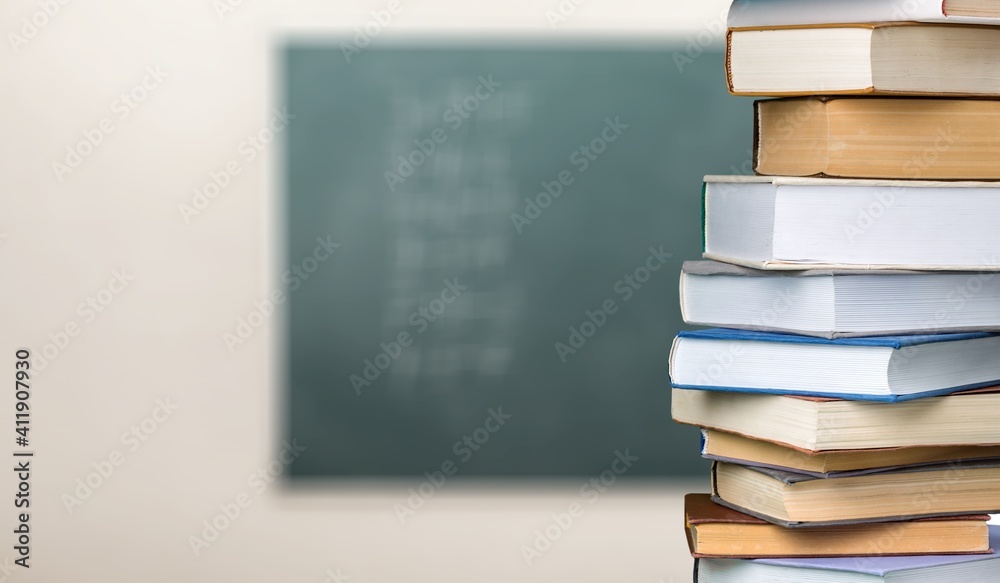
(757, 13)
(790, 479)
(883, 566)
(876, 137)
(851, 540)
(897, 342)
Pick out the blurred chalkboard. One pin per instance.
(416, 161)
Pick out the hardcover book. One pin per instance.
(833, 303)
(733, 448)
(878, 368)
(787, 223)
(716, 531)
(749, 13)
(915, 569)
(882, 138)
(813, 424)
(901, 58)
(797, 500)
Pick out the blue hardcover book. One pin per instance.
(914, 569)
(879, 368)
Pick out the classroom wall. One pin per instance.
(124, 295)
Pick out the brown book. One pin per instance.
(797, 500)
(895, 58)
(714, 531)
(723, 446)
(925, 139)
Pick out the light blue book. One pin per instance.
(926, 569)
(880, 368)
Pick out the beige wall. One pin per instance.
(160, 337)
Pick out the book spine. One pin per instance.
(680, 294)
(729, 68)
(714, 479)
(704, 217)
(754, 151)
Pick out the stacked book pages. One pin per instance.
(847, 385)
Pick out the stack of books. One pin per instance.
(848, 392)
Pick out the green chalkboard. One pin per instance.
(504, 228)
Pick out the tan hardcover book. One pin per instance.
(893, 58)
(813, 424)
(724, 446)
(719, 532)
(925, 139)
(798, 500)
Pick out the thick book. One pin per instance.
(833, 303)
(877, 368)
(748, 13)
(730, 447)
(797, 500)
(819, 425)
(914, 569)
(895, 58)
(788, 223)
(714, 530)
(913, 139)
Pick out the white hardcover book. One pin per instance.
(894, 58)
(839, 303)
(769, 222)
